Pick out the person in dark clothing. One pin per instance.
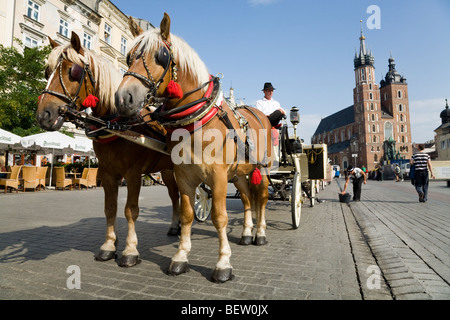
(422, 162)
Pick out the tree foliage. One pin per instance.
(22, 80)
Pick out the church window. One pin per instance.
(374, 138)
(388, 130)
(375, 158)
(372, 149)
(371, 106)
(371, 96)
(401, 118)
(400, 107)
(370, 86)
(373, 128)
(403, 139)
(399, 94)
(402, 128)
(373, 117)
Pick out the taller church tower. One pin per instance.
(367, 141)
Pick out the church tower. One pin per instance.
(395, 107)
(366, 141)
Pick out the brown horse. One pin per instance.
(77, 77)
(165, 72)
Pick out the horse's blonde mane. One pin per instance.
(106, 76)
(185, 57)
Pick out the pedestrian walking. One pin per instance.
(422, 163)
(359, 177)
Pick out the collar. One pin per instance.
(193, 117)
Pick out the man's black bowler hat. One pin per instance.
(268, 86)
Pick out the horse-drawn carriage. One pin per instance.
(167, 78)
(294, 176)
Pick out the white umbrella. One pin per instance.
(83, 146)
(8, 139)
(48, 141)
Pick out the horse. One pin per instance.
(167, 76)
(78, 78)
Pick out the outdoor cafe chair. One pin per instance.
(83, 181)
(92, 178)
(41, 173)
(13, 181)
(61, 180)
(29, 177)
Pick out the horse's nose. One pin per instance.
(126, 102)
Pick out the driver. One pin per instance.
(270, 107)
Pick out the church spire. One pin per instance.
(365, 57)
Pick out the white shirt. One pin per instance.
(357, 173)
(267, 106)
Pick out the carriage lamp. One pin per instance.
(295, 116)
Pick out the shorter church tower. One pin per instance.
(395, 107)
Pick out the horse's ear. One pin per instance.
(134, 27)
(53, 43)
(165, 27)
(76, 43)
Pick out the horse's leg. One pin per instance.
(186, 186)
(169, 179)
(260, 195)
(242, 185)
(110, 188)
(219, 217)
(130, 255)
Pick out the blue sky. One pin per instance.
(306, 49)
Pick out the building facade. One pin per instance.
(100, 25)
(376, 128)
(442, 137)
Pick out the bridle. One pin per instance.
(86, 74)
(164, 57)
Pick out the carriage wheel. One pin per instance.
(296, 200)
(202, 205)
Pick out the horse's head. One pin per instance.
(160, 70)
(77, 79)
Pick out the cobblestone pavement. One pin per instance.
(388, 246)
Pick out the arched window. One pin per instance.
(399, 94)
(374, 138)
(375, 158)
(373, 128)
(402, 128)
(388, 130)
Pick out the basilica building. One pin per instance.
(376, 128)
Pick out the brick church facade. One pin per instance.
(376, 128)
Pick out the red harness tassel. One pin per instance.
(90, 101)
(256, 177)
(174, 90)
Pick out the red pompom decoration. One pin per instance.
(90, 101)
(256, 177)
(174, 90)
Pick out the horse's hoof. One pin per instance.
(177, 268)
(105, 255)
(174, 231)
(129, 261)
(245, 240)
(260, 241)
(222, 275)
